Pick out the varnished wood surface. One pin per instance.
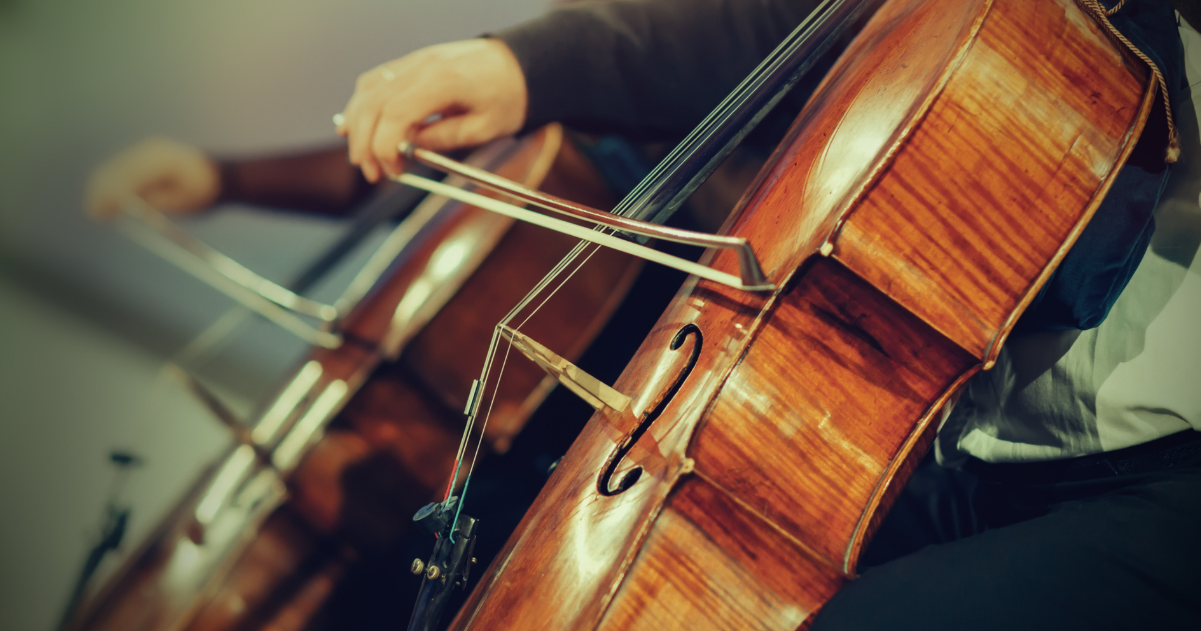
(951, 249)
(833, 383)
(946, 164)
(709, 553)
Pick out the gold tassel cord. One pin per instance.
(1102, 15)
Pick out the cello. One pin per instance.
(266, 534)
(736, 469)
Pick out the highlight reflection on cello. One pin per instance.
(1029, 516)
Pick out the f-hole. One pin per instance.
(605, 484)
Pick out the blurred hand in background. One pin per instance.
(167, 175)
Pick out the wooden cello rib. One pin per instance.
(937, 176)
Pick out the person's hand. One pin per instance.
(443, 97)
(169, 176)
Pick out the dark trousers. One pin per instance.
(1104, 542)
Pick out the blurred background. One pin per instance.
(88, 319)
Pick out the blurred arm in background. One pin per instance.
(182, 179)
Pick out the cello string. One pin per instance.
(488, 414)
(492, 349)
(489, 358)
(538, 288)
(580, 265)
(513, 313)
(559, 267)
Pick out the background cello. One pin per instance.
(264, 536)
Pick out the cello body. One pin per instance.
(924, 195)
(362, 435)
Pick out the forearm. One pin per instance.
(650, 68)
(320, 181)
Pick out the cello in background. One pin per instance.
(915, 209)
(364, 433)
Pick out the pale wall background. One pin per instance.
(86, 317)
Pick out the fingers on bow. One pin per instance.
(378, 118)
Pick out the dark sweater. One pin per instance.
(647, 69)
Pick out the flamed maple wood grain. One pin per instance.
(961, 241)
(820, 405)
(709, 563)
(845, 134)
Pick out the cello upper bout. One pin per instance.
(853, 125)
(1006, 168)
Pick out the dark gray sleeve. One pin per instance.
(646, 68)
(319, 181)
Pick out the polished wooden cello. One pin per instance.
(266, 533)
(737, 467)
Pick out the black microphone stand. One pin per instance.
(112, 531)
